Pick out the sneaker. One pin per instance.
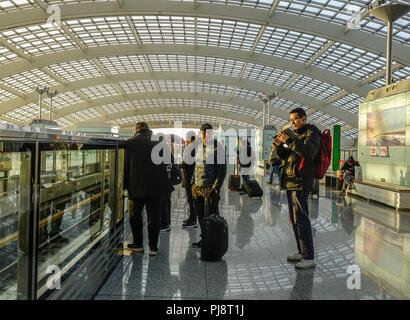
(166, 228)
(196, 244)
(189, 224)
(295, 257)
(135, 248)
(152, 252)
(305, 264)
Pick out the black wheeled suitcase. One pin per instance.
(214, 237)
(252, 188)
(234, 180)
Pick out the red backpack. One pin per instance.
(322, 161)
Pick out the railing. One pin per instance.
(61, 206)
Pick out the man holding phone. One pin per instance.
(298, 153)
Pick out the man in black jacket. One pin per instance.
(297, 178)
(147, 183)
(209, 175)
(188, 168)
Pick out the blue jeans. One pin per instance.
(299, 216)
(276, 170)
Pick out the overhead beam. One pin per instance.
(330, 77)
(15, 50)
(321, 52)
(13, 91)
(273, 8)
(186, 76)
(359, 39)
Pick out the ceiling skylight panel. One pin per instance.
(85, 115)
(314, 88)
(266, 74)
(102, 31)
(24, 113)
(100, 91)
(40, 39)
(289, 44)
(116, 107)
(7, 56)
(350, 103)
(124, 64)
(137, 86)
(9, 6)
(26, 81)
(5, 95)
(64, 99)
(214, 88)
(75, 70)
(247, 94)
(349, 61)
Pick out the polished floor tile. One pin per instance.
(348, 233)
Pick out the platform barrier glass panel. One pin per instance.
(76, 207)
(15, 169)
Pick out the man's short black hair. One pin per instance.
(206, 126)
(299, 111)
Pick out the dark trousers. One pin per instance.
(299, 216)
(199, 205)
(192, 213)
(166, 210)
(135, 208)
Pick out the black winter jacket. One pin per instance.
(143, 178)
(297, 174)
(188, 165)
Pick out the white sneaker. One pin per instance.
(295, 257)
(305, 264)
(152, 252)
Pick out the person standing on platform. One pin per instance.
(297, 178)
(275, 163)
(188, 169)
(209, 175)
(244, 153)
(146, 184)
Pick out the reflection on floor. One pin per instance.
(347, 231)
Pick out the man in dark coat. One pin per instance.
(188, 167)
(146, 183)
(297, 178)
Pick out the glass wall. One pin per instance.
(58, 201)
(15, 169)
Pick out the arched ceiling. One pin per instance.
(122, 61)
